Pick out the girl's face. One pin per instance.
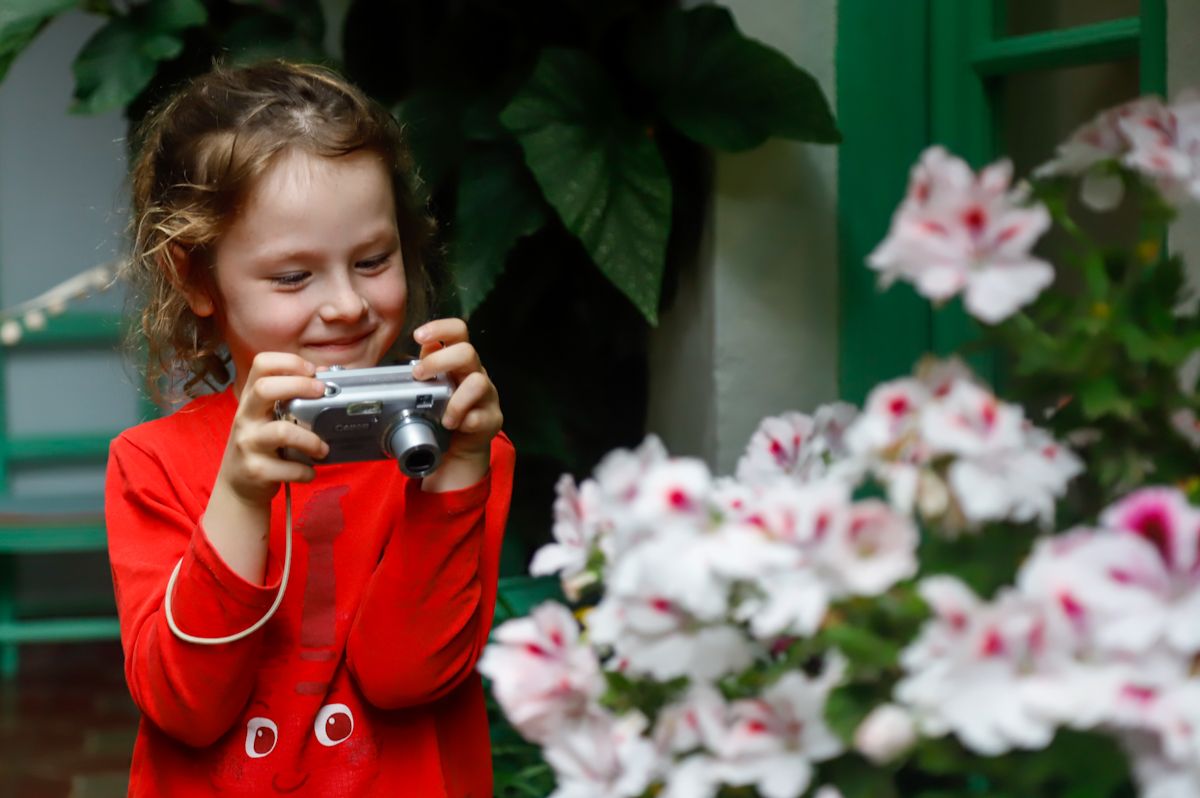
(311, 265)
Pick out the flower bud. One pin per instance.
(885, 734)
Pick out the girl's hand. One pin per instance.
(237, 519)
(473, 412)
(253, 467)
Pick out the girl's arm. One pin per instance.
(425, 616)
(427, 612)
(191, 691)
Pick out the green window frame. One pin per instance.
(942, 62)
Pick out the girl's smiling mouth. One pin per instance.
(345, 342)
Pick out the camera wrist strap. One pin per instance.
(283, 581)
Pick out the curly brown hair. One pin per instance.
(201, 152)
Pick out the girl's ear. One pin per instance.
(196, 292)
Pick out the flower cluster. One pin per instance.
(1100, 631)
(946, 446)
(774, 629)
(1157, 140)
(703, 578)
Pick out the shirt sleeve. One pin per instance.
(427, 612)
(190, 691)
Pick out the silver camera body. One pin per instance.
(375, 414)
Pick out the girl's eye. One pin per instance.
(290, 279)
(334, 723)
(261, 735)
(372, 263)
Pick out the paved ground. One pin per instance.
(66, 724)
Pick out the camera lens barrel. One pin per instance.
(413, 442)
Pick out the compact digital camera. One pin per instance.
(375, 414)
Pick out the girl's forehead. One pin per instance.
(306, 201)
(296, 170)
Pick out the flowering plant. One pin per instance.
(943, 593)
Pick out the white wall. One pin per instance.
(753, 331)
(61, 211)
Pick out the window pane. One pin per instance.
(1032, 16)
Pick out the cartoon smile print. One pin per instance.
(284, 750)
(333, 726)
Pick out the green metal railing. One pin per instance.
(53, 524)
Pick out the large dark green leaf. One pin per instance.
(120, 59)
(305, 17)
(262, 36)
(723, 89)
(20, 22)
(600, 171)
(498, 204)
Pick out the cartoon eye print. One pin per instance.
(261, 736)
(334, 724)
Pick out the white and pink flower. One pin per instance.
(1166, 147)
(998, 675)
(770, 742)
(948, 448)
(961, 233)
(542, 675)
(1101, 141)
(578, 522)
(796, 446)
(885, 733)
(602, 756)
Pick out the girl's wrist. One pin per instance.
(458, 470)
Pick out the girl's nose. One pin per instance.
(343, 304)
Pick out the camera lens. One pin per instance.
(420, 461)
(414, 445)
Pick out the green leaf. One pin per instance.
(1140, 347)
(262, 36)
(724, 89)
(20, 23)
(856, 778)
(862, 646)
(498, 203)
(517, 595)
(599, 170)
(121, 58)
(163, 16)
(1101, 397)
(848, 704)
(112, 68)
(306, 17)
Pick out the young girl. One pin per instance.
(274, 222)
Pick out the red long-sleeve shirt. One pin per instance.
(363, 683)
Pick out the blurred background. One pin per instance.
(735, 290)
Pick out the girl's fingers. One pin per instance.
(259, 397)
(475, 391)
(480, 420)
(285, 435)
(459, 361)
(273, 470)
(439, 334)
(266, 364)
